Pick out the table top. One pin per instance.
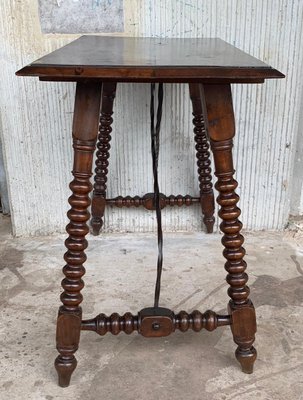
(150, 59)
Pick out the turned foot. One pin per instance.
(207, 204)
(246, 358)
(65, 366)
(209, 223)
(98, 207)
(96, 224)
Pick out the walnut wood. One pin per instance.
(221, 128)
(244, 327)
(85, 128)
(128, 323)
(203, 158)
(150, 59)
(103, 146)
(147, 201)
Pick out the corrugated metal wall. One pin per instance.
(36, 117)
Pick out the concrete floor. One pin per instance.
(196, 366)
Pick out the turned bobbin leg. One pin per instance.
(221, 128)
(103, 146)
(85, 129)
(203, 158)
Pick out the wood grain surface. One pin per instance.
(150, 59)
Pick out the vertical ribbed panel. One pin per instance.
(36, 116)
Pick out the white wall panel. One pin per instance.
(36, 116)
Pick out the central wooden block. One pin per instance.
(156, 322)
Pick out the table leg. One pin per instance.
(203, 158)
(221, 128)
(85, 129)
(103, 145)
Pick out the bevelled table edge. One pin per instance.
(149, 74)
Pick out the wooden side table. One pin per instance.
(209, 66)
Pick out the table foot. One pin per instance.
(243, 327)
(67, 338)
(209, 225)
(96, 225)
(65, 366)
(246, 358)
(207, 201)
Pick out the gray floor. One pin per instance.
(183, 366)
